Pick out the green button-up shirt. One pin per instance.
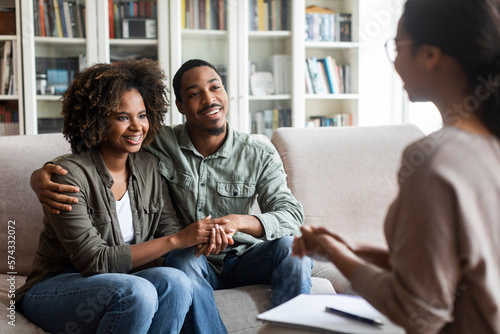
(89, 236)
(229, 181)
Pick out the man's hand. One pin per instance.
(245, 224)
(48, 192)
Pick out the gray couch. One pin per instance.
(344, 177)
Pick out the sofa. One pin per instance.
(344, 177)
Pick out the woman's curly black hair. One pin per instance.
(97, 91)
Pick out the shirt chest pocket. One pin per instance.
(235, 197)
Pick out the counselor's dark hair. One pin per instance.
(97, 91)
(189, 65)
(469, 31)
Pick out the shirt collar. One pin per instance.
(103, 170)
(224, 151)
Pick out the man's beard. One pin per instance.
(217, 132)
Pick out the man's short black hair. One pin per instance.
(189, 65)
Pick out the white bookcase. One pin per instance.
(10, 101)
(232, 49)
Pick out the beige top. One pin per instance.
(443, 231)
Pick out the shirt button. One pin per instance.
(235, 193)
(202, 184)
(272, 235)
(200, 209)
(171, 178)
(135, 211)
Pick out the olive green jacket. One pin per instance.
(89, 236)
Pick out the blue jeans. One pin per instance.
(266, 263)
(153, 300)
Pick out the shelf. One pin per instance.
(269, 34)
(132, 42)
(8, 38)
(59, 41)
(203, 32)
(269, 97)
(48, 97)
(8, 97)
(332, 45)
(331, 96)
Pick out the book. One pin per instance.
(42, 18)
(327, 61)
(63, 19)
(5, 67)
(308, 312)
(312, 65)
(111, 19)
(323, 77)
(67, 20)
(57, 15)
(7, 21)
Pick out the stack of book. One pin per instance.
(124, 15)
(8, 68)
(59, 71)
(342, 119)
(268, 120)
(280, 66)
(324, 25)
(9, 118)
(59, 18)
(269, 15)
(325, 76)
(50, 125)
(204, 14)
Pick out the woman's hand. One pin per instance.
(49, 193)
(221, 237)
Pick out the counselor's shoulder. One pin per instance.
(450, 153)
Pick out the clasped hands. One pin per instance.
(214, 235)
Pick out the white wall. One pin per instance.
(380, 89)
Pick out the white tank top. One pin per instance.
(124, 213)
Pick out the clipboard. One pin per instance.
(308, 312)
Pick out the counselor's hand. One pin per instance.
(319, 242)
(48, 192)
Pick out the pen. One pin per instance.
(375, 321)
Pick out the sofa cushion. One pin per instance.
(20, 156)
(345, 177)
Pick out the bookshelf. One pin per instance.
(228, 33)
(11, 91)
(52, 55)
(267, 47)
(345, 51)
(191, 38)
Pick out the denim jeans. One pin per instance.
(266, 263)
(153, 300)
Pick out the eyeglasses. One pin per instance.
(391, 47)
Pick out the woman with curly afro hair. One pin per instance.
(86, 275)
